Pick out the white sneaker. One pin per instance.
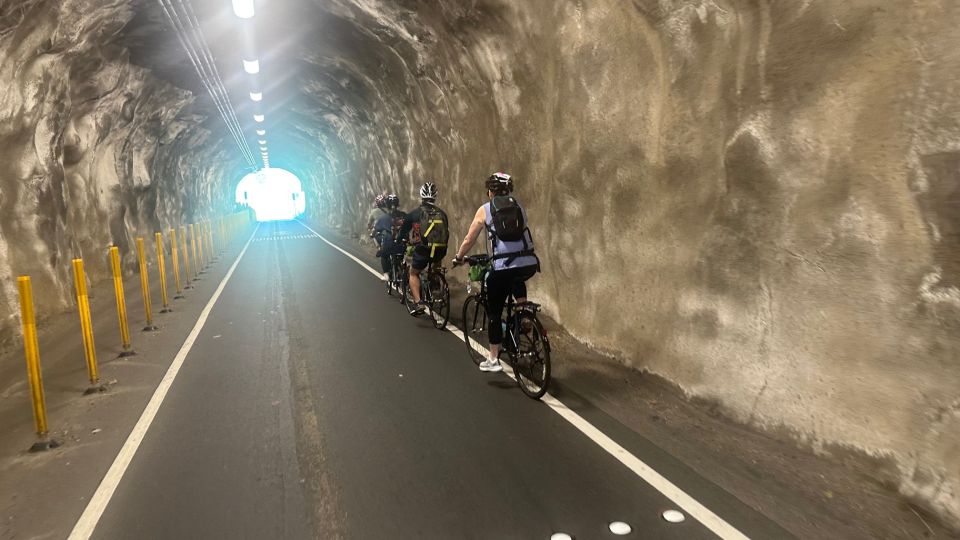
(491, 365)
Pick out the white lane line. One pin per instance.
(336, 247)
(701, 513)
(101, 498)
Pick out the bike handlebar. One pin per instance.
(474, 260)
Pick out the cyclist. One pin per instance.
(375, 212)
(513, 259)
(386, 231)
(428, 232)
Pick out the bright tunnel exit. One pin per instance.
(273, 194)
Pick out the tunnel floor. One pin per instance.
(312, 405)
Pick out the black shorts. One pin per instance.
(422, 259)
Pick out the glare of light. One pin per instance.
(256, 96)
(251, 66)
(261, 141)
(261, 132)
(258, 117)
(243, 8)
(274, 194)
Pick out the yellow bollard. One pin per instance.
(145, 285)
(162, 269)
(186, 256)
(121, 301)
(196, 261)
(31, 350)
(175, 259)
(202, 258)
(86, 326)
(210, 241)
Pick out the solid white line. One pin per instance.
(701, 513)
(101, 498)
(356, 260)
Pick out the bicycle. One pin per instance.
(397, 275)
(525, 341)
(434, 291)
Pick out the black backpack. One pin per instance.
(507, 218)
(434, 232)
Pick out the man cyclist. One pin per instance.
(513, 259)
(428, 232)
(386, 231)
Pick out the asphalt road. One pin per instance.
(313, 406)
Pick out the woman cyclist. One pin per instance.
(512, 255)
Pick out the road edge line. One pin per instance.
(648, 474)
(108, 485)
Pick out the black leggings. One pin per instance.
(500, 284)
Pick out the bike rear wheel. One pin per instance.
(531, 365)
(439, 301)
(474, 328)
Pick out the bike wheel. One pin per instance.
(390, 279)
(531, 365)
(439, 301)
(475, 328)
(405, 296)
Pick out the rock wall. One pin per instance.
(95, 151)
(755, 199)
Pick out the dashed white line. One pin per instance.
(101, 498)
(701, 513)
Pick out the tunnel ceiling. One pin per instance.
(327, 70)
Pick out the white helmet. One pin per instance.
(428, 191)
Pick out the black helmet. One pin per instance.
(428, 191)
(500, 183)
(393, 201)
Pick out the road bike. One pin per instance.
(525, 342)
(435, 293)
(397, 275)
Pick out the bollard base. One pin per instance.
(43, 446)
(150, 328)
(187, 287)
(95, 389)
(127, 354)
(179, 297)
(166, 310)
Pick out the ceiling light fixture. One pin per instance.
(256, 96)
(243, 9)
(251, 66)
(258, 117)
(261, 141)
(261, 132)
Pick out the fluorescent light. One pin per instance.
(261, 132)
(261, 141)
(264, 148)
(256, 96)
(251, 66)
(258, 117)
(243, 8)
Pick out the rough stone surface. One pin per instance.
(757, 200)
(95, 151)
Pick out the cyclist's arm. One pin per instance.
(408, 221)
(476, 227)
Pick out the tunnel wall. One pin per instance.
(95, 151)
(757, 200)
